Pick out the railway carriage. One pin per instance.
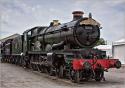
(6, 50)
(17, 49)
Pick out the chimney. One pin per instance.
(77, 15)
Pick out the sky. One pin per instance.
(17, 16)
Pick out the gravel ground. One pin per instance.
(12, 76)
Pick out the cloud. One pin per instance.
(19, 15)
(110, 13)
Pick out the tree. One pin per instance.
(101, 42)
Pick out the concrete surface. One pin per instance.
(12, 76)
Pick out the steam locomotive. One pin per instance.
(64, 49)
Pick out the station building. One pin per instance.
(107, 48)
(118, 50)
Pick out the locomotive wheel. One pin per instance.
(88, 74)
(35, 67)
(23, 63)
(2, 61)
(20, 61)
(71, 73)
(51, 73)
(31, 66)
(77, 77)
(61, 71)
(99, 74)
(118, 64)
(42, 69)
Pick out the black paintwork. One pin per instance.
(71, 33)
